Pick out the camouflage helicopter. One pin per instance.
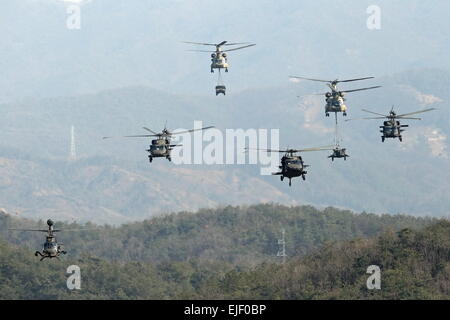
(292, 165)
(392, 127)
(335, 101)
(51, 249)
(219, 57)
(161, 146)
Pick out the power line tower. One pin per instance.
(73, 150)
(282, 247)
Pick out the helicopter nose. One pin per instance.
(49, 222)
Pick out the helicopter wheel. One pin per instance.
(344, 114)
(212, 71)
(303, 177)
(345, 158)
(168, 158)
(281, 178)
(226, 70)
(290, 183)
(36, 253)
(400, 138)
(150, 159)
(332, 158)
(382, 139)
(327, 114)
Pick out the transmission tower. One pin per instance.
(282, 247)
(73, 150)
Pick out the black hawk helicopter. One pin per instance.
(292, 165)
(392, 127)
(335, 101)
(219, 57)
(161, 146)
(51, 249)
(338, 152)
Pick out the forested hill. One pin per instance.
(414, 265)
(236, 235)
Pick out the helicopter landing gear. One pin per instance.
(382, 139)
(332, 158)
(169, 158)
(400, 138)
(327, 114)
(344, 114)
(150, 159)
(303, 177)
(345, 158)
(290, 183)
(212, 70)
(281, 178)
(226, 69)
(37, 253)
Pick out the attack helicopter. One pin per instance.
(292, 165)
(51, 249)
(335, 101)
(392, 127)
(161, 146)
(219, 58)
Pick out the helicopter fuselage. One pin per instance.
(219, 61)
(392, 129)
(335, 103)
(160, 148)
(51, 249)
(291, 167)
(339, 153)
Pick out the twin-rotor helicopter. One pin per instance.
(335, 101)
(219, 58)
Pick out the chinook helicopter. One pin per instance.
(292, 165)
(51, 249)
(335, 99)
(161, 146)
(392, 127)
(219, 57)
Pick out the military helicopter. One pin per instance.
(51, 249)
(161, 146)
(219, 57)
(392, 127)
(338, 152)
(335, 99)
(292, 165)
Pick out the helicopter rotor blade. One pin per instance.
(235, 43)
(408, 118)
(357, 79)
(250, 45)
(416, 112)
(374, 118)
(201, 43)
(150, 130)
(316, 149)
(33, 230)
(296, 77)
(354, 90)
(192, 130)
